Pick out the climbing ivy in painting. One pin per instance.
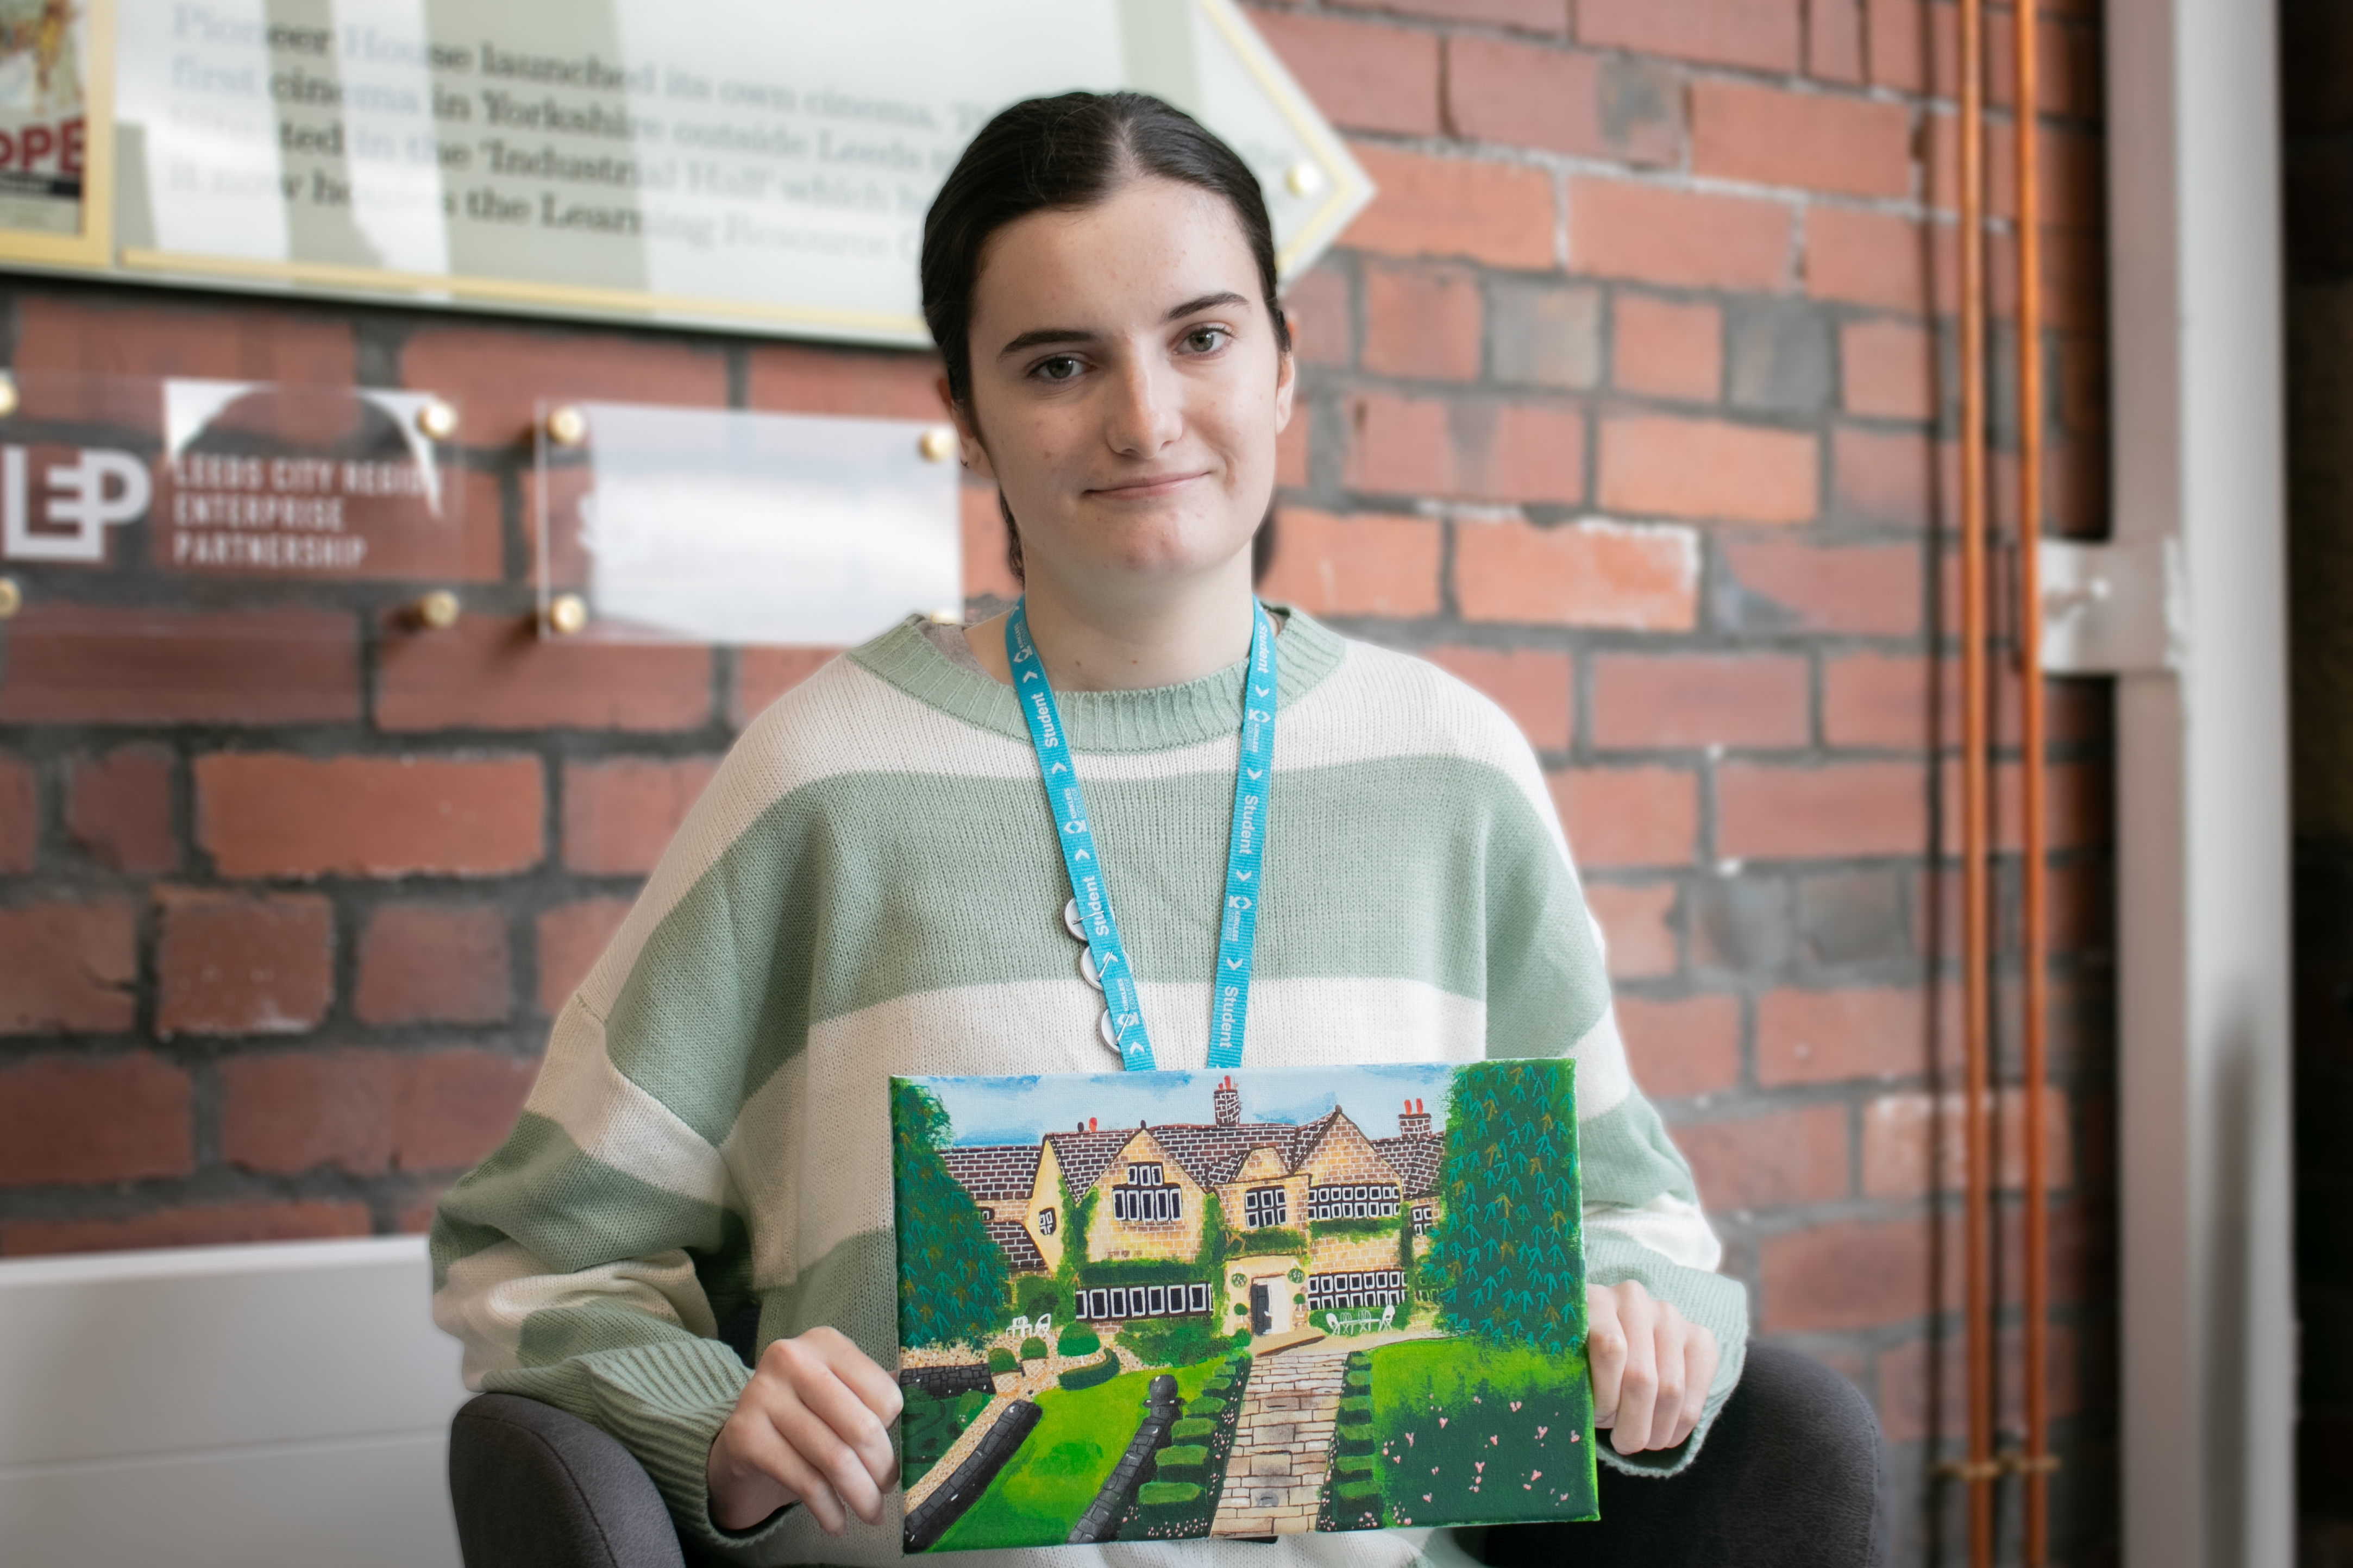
(951, 1271)
(1506, 1261)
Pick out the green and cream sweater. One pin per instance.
(872, 885)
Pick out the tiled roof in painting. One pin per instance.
(1083, 1156)
(993, 1173)
(1415, 1160)
(1020, 1252)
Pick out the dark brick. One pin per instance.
(1781, 358)
(430, 963)
(79, 664)
(20, 814)
(66, 968)
(1740, 922)
(74, 1120)
(208, 1224)
(1544, 334)
(118, 809)
(1860, 917)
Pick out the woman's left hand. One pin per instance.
(1652, 1367)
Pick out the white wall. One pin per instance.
(225, 1407)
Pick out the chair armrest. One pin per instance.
(536, 1487)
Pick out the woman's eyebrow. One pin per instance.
(1206, 302)
(1039, 337)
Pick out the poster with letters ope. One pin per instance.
(54, 130)
(1171, 1305)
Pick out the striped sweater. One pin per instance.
(871, 886)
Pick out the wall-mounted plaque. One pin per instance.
(109, 483)
(740, 164)
(692, 525)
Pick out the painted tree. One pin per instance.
(952, 1277)
(1506, 1260)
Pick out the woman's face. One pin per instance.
(1126, 388)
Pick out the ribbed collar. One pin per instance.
(1152, 720)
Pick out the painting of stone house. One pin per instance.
(1287, 1191)
(1176, 1305)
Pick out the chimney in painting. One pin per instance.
(1413, 1121)
(1229, 1103)
(1091, 1123)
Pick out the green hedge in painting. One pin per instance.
(1266, 1241)
(1506, 1263)
(1093, 1372)
(952, 1274)
(1472, 1429)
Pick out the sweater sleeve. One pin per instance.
(594, 1288)
(589, 1261)
(1548, 994)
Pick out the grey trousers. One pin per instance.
(1794, 1476)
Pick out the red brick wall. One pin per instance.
(1630, 400)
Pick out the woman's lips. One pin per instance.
(1147, 488)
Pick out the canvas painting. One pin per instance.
(1167, 1305)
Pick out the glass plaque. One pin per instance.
(729, 163)
(138, 480)
(694, 525)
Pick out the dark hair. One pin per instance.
(1064, 153)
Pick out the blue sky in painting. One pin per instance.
(1021, 1109)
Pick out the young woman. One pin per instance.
(873, 885)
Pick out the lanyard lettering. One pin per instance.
(1245, 847)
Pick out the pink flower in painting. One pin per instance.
(1516, 1406)
(1542, 1430)
(1409, 1440)
(1479, 1464)
(1535, 1475)
(1442, 1421)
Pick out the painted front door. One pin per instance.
(1261, 1322)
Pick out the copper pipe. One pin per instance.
(2033, 934)
(1975, 903)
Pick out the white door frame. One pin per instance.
(2209, 1320)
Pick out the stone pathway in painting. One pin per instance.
(1275, 1474)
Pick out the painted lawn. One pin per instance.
(1475, 1433)
(1052, 1477)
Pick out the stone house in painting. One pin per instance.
(1271, 1178)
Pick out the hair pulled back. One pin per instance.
(1065, 153)
(1061, 154)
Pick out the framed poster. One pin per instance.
(56, 131)
(1171, 1305)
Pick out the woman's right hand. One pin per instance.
(813, 1426)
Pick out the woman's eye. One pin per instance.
(1206, 340)
(1062, 367)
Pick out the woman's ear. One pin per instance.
(970, 452)
(1286, 382)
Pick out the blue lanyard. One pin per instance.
(1245, 848)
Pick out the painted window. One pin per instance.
(1262, 1205)
(1118, 1303)
(1374, 1288)
(1421, 1218)
(1144, 1175)
(1147, 1205)
(1356, 1201)
(1045, 1222)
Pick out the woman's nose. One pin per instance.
(1143, 416)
